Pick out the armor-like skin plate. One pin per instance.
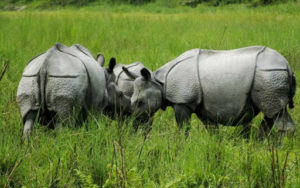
(61, 78)
(224, 85)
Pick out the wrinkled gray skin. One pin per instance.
(125, 81)
(227, 87)
(60, 79)
(119, 103)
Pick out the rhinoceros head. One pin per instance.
(147, 94)
(117, 102)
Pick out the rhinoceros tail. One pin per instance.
(292, 90)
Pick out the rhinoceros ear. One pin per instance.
(131, 75)
(111, 65)
(100, 59)
(146, 74)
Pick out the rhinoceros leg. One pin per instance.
(66, 115)
(29, 122)
(271, 94)
(265, 127)
(284, 123)
(66, 97)
(210, 126)
(183, 116)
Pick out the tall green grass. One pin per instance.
(105, 152)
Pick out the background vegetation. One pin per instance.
(46, 4)
(104, 152)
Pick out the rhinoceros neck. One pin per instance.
(161, 88)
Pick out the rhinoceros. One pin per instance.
(229, 87)
(119, 102)
(125, 81)
(124, 86)
(60, 79)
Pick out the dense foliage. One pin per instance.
(169, 3)
(105, 152)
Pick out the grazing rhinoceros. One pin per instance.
(228, 87)
(60, 79)
(119, 102)
(124, 85)
(125, 81)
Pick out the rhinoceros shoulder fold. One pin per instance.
(161, 73)
(180, 79)
(200, 76)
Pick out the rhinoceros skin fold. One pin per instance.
(124, 76)
(59, 80)
(229, 87)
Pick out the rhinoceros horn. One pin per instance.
(130, 74)
(100, 59)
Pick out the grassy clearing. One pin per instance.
(106, 153)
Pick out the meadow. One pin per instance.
(105, 152)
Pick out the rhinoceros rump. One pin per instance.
(56, 81)
(228, 87)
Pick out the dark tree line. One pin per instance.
(192, 3)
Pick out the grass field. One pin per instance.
(105, 153)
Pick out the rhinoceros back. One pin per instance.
(220, 80)
(180, 79)
(226, 79)
(96, 75)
